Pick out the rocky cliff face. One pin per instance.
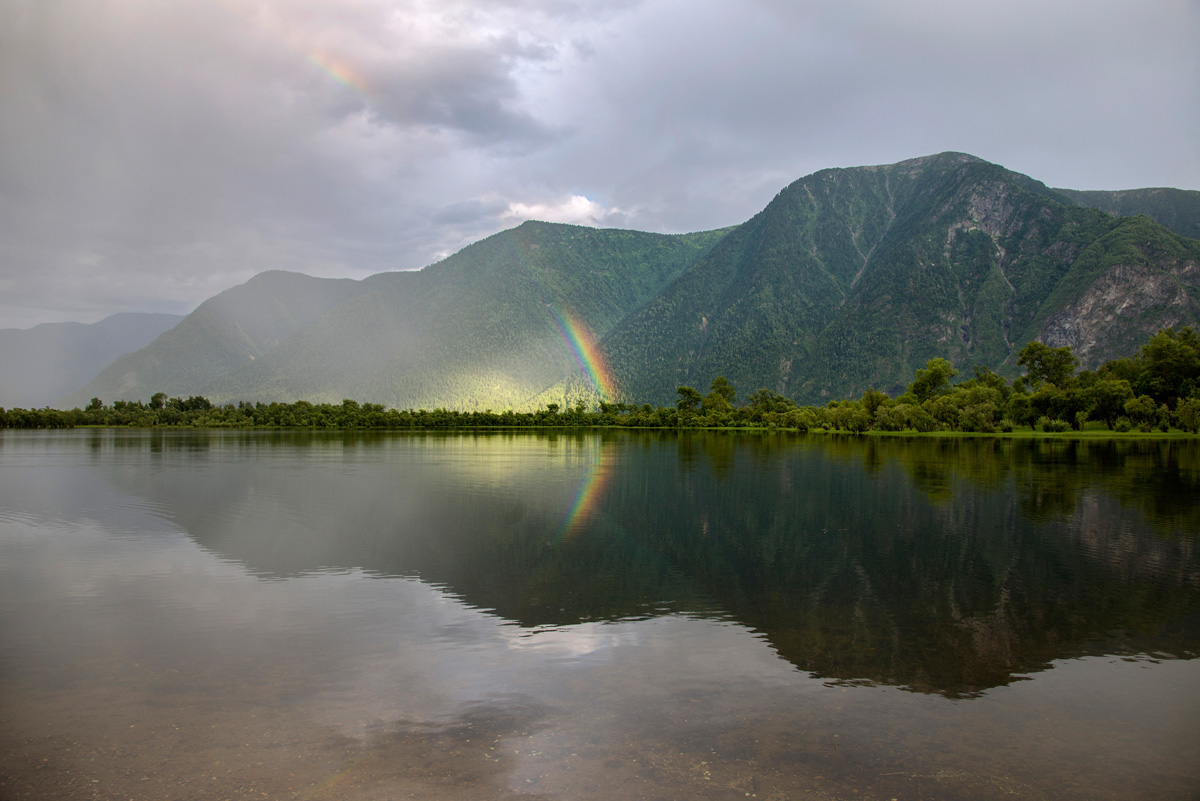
(1124, 307)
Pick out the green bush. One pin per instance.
(1187, 414)
(890, 418)
(979, 417)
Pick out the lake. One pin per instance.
(616, 615)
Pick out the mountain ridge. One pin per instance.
(849, 278)
(950, 256)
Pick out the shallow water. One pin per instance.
(300, 615)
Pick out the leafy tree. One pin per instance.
(1122, 370)
(980, 417)
(921, 420)
(1020, 409)
(768, 401)
(802, 419)
(1142, 411)
(1171, 365)
(984, 376)
(1108, 397)
(1187, 414)
(891, 418)
(849, 416)
(720, 397)
(690, 399)
(933, 380)
(872, 400)
(1046, 365)
(722, 387)
(943, 409)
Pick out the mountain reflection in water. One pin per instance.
(938, 565)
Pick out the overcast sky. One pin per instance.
(156, 152)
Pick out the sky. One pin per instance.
(156, 152)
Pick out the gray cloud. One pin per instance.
(152, 154)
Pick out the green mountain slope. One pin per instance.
(485, 328)
(1177, 209)
(854, 278)
(754, 308)
(232, 328)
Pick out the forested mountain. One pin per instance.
(489, 327)
(848, 279)
(41, 364)
(1177, 209)
(853, 278)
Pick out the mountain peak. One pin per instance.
(849, 278)
(946, 158)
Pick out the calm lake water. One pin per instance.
(189, 615)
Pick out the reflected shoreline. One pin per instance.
(946, 566)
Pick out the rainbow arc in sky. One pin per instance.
(339, 70)
(585, 351)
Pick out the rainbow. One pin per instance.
(337, 69)
(583, 507)
(587, 355)
(340, 71)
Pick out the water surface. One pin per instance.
(615, 615)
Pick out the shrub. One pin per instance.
(890, 418)
(802, 419)
(1053, 426)
(980, 417)
(1187, 414)
(922, 420)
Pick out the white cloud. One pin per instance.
(575, 210)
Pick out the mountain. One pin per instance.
(848, 279)
(488, 327)
(853, 278)
(232, 328)
(39, 365)
(1177, 209)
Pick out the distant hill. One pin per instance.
(1177, 209)
(41, 364)
(849, 279)
(232, 328)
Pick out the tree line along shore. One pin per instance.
(1156, 390)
